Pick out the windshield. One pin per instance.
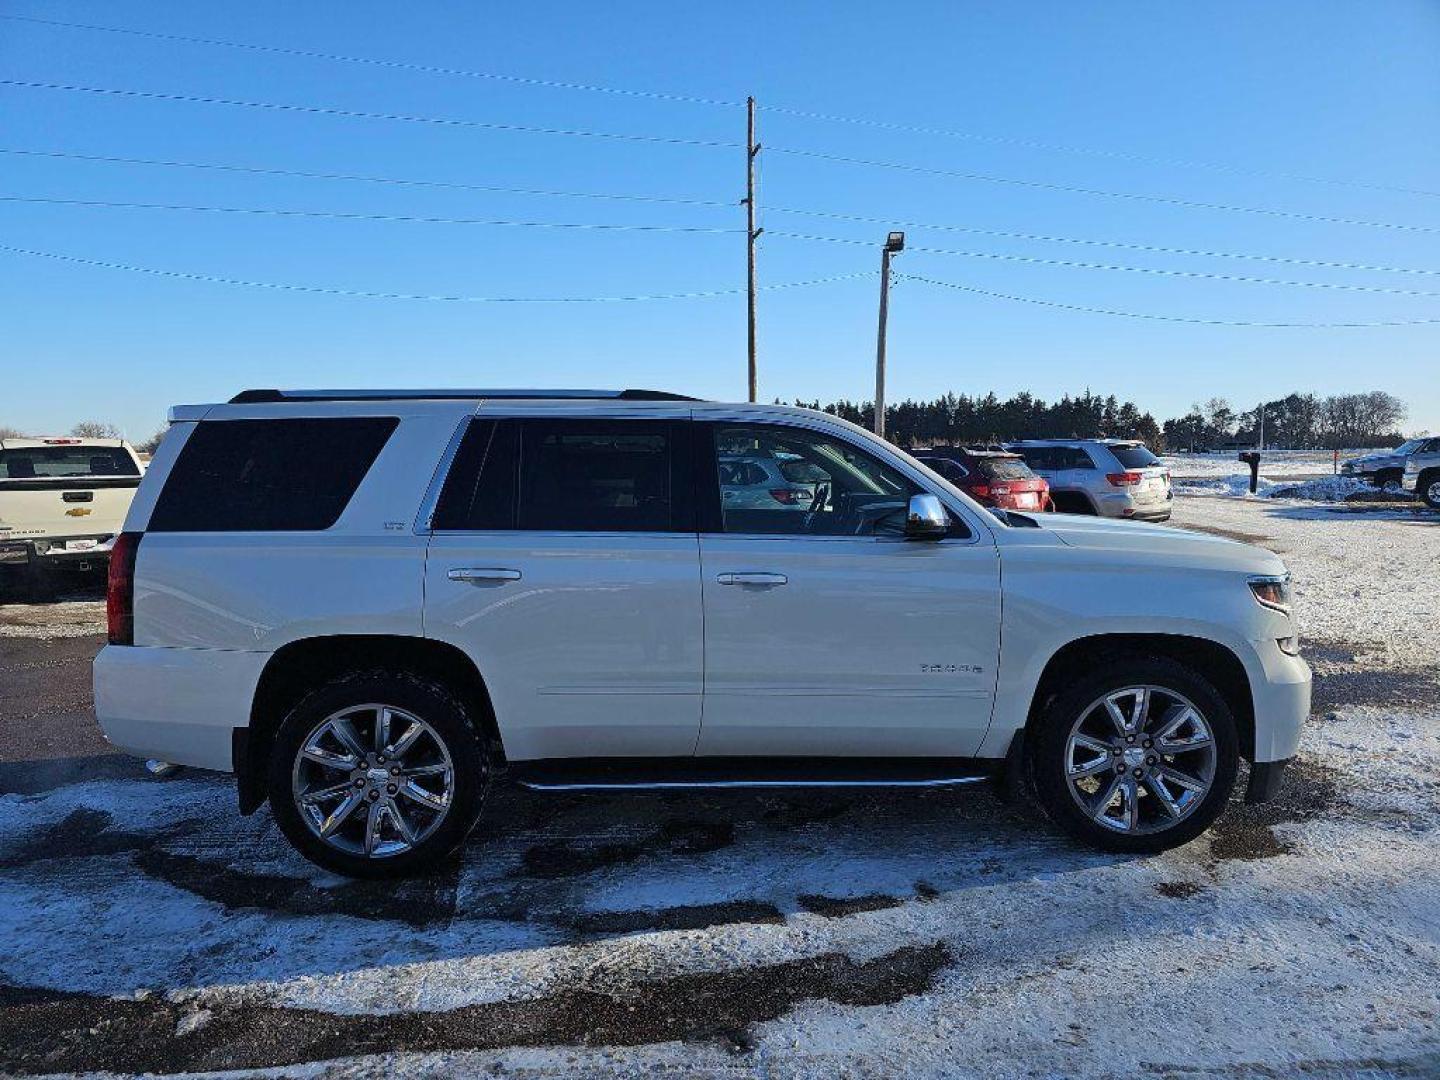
(1408, 447)
(1134, 456)
(46, 462)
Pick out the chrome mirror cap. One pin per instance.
(925, 518)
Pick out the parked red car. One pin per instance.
(995, 478)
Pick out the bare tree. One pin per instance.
(95, 429)
(150, 445)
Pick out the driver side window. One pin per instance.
(789, 481)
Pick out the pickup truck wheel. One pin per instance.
(378, 775)
(1430, 490)
(1137, 758)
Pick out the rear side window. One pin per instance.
(269, 475)
(597, 475)
(572, 475)
(1134, 456)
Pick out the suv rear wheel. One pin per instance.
(1139, 757)
(378, 774)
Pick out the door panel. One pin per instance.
(593, 650)
(870, 646)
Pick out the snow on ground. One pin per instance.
(934, 934)
(68, 618)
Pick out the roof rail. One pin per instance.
(258, 397)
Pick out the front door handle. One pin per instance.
(764, 580)
(482, 574)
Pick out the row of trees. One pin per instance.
(959, 418)
(1297, 421)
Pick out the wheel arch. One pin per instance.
(1212, 659)
(300, 666)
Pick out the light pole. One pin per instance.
(894, 243)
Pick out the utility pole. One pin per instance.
(894, 243)
(752, 148)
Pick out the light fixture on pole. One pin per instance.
(894, 243)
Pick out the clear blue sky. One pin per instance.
(1272, 92)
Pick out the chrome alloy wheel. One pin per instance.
(1432, 493)
(1140, 760)
(373, 780)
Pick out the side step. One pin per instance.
(664, 774)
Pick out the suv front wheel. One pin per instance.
(378, 774)
(1139, 757)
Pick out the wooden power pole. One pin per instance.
(751, 233)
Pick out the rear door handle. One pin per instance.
(753, 578)
(482, 574)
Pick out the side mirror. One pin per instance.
(925, 519)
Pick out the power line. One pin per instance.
(1164, 318)
(1069, 264)
(1116, 244)
(719, 204)
(785, 110)
(362, 178)
(342, 215)
(1118, 155)
(356, 114)
(1033, 260)
(214, 279)
(429, 69)
(1166, 200)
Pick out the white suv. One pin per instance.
(1117, 478)
(369, 604)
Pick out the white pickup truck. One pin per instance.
(63, 500)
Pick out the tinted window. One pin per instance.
(1041, 458)
(479, 492)
(1003, 468)
(254, 475)
(844, 491)
(599, 475)
(47, 462)
(1134, 456)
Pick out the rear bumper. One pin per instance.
(51, 551)
(178, 705)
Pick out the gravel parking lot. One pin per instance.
(144, 926)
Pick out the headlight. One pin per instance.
(1272, 590)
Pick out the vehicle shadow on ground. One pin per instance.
(541, 869)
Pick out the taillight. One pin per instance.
(1124, 479)
(120, 589)
(980, 491)
(788, 496)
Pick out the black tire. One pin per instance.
(452, 725)
(1052, 728)
(1427, 489)
(1386, 476)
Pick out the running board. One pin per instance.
(677, 774)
